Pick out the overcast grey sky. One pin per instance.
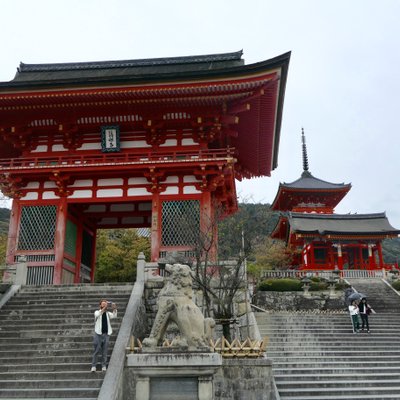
(343, 84)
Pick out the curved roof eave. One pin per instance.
(281, 61)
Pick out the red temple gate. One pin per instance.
(130, 144)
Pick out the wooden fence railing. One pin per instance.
(383, 273)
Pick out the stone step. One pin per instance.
(27, 324)
(337, 384)
(316, 393)
(72, 302)
(334, 376)
(64, 383)
(21, 347)
(52, 375)
(56, 393)
(39, 314)
(378, 353)
(310, 347)
(347, 370)
(337, 357)
(359, 364)
(343, 397)
(54, 321)
(50, 333)
(45, 353)
(45, 367)
(85, 288)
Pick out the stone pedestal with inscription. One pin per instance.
(172, 375)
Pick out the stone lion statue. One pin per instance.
(176, 305)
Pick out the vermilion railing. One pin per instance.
(149, 157)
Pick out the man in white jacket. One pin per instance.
(102, 332)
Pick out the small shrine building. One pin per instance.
(130, 144)
(326, 240)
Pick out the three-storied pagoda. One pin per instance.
(136, 143)
(327, 240)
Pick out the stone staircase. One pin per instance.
(317, 356)
(380, 296)
(46, 341)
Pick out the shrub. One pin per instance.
(396, 285)
(316, 286)
(342, 285)
(280, 285)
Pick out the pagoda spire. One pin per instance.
(306, 172)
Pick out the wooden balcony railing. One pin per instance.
(72, 161)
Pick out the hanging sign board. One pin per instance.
(110, 139)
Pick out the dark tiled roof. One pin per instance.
(148, 62)
(324, 224)
(307, 181)
(126, 68)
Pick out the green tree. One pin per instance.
(116, 254)
(256, 221)
(272, 254)
(3, 248)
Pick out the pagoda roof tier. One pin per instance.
(336, 226)
(311, 190)
(238, 103)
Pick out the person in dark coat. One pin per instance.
(365, 310)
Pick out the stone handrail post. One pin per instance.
(16, 273)
(140, 268)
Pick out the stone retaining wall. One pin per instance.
(295, 301)
(250, 379)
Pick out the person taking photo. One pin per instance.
(102, 332)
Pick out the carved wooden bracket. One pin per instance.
(11, 186)
(62, 182)
(71, 138)
(154, 177)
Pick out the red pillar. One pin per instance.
(13, 231)
(60, 239)
(155, 226)
(360, 258)
(311, 255)
(340, 256)
(78, 252)
(305, 257)
(93, 258)
(371, 258)
(208, 226)
(379, 246)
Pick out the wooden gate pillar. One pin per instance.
(155, 227)
(208, 225)
(15, 216)
(78, 255)
(59, 241)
